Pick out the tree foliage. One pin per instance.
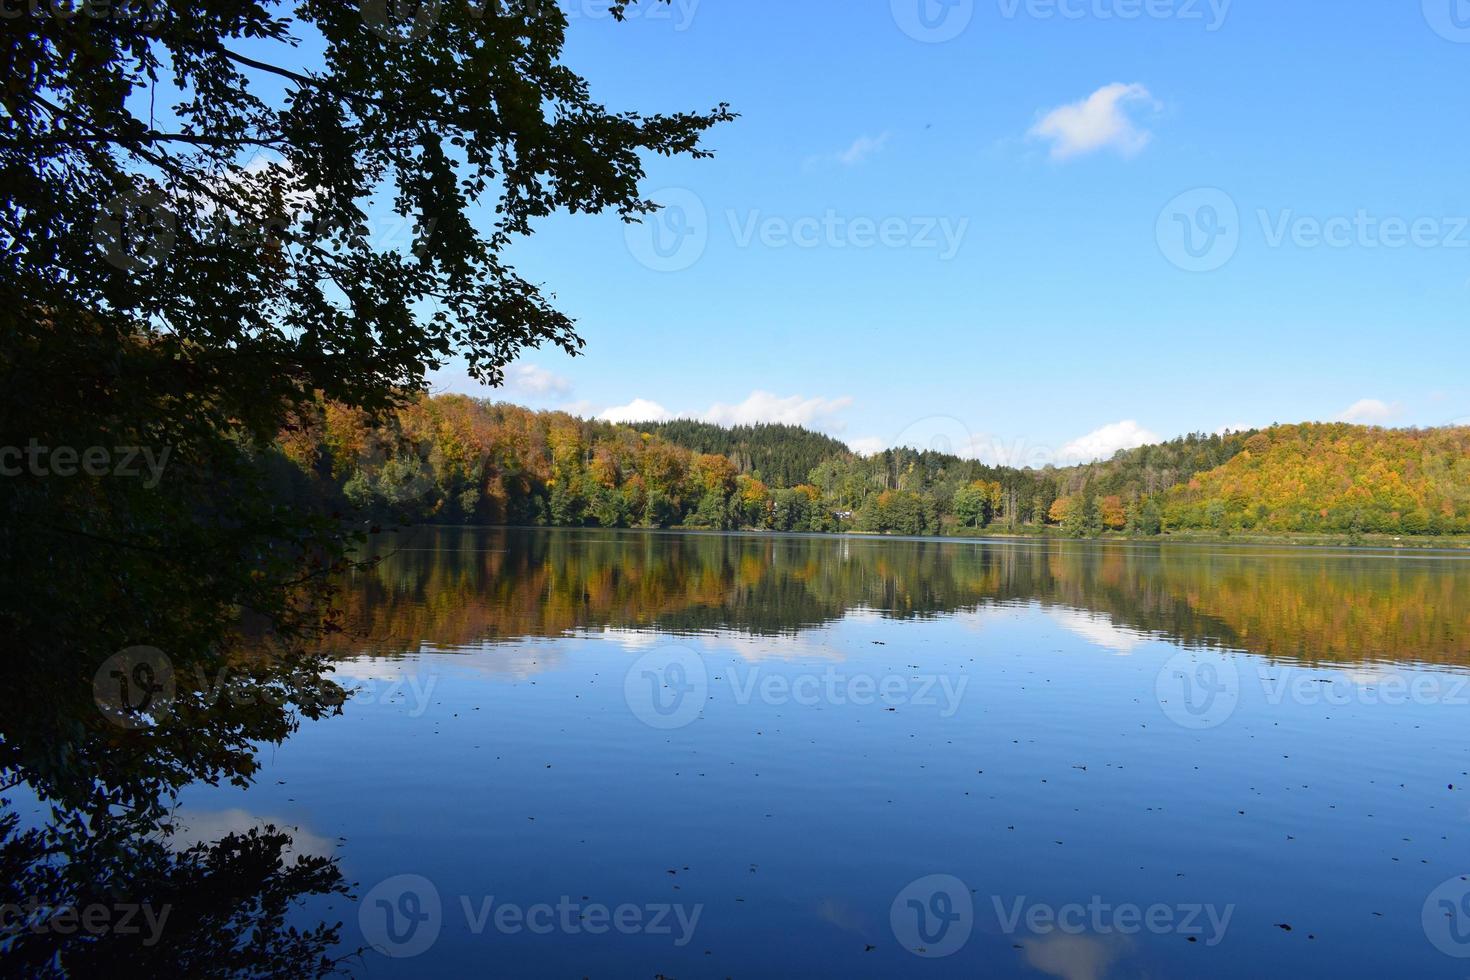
(780, 454)
(198, 302)
(454, 459)
(191, 256)
(1334, 477)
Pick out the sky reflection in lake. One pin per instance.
(599, 753)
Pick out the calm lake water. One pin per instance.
(597, 753)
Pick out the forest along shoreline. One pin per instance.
(451, 459)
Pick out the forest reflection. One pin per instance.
(454, 588)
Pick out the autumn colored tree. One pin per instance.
(452, 458)
(1113, 514)
(1333, 477)
(754, 499)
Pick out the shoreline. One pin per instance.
(1303, 541)
(1377, 542)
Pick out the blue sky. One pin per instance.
(1028, 229)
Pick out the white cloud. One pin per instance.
(759, 407)
(1104, 442)
(1098, 122)
(581, 408)
(1097, 629)
(1019, 453)
(523, 382)
(947, 434)
(797, 646)
(637, 410)
(859, 150)
(1369, 411)
(455, 381)
(862, 148)
(260, 180)
(1075, 957)
(530, 379)
(937, 434)
(370, 669)
(207, 826)
(629, 639)
(763, 406)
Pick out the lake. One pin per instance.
(601, 753)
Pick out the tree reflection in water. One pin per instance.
(103, 885)
(460, 587)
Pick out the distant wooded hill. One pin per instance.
(783, 455)
(455, 459)
(1334, 477)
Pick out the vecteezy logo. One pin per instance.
(1198, 690)
(1446, 917)
(937, 434)
(134, 688)
(135, 229)
(401, 916)
(400, 21)
(1199, 231)
(933, 21)
(1449, 18)
(667, 688)
(672, 238)
(933, 916)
